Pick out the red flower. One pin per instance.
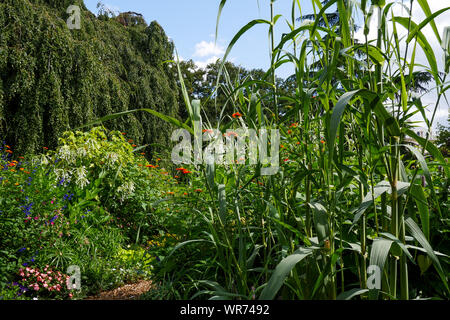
(236, 115)
(186, 171)
(198, 190)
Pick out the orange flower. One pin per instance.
(289, 131)
(8, 147)
(21, 157)
(171, 193)
(27, 172)
(185, 193)
(134, 146)
(9, 151)
(150, 166)
(236, 115)
(180, 169)
(123, 133)
(143, 153)
(186, 171)
(158, 159)
(140, 165)
(294, 125)
(198, 190)
(176, 177)
(322, 141)
(298, 142)
(232, 133)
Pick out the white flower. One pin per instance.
(111, 158)
(66, 154)
(126, 190)
(82, 180)
(92, 144)
(63, 174)
(81, 152)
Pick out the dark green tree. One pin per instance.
(53, 79)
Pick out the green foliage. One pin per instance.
(53, 79)
(443, 139)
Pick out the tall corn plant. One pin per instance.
(365, 125)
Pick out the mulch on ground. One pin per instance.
(127, 292)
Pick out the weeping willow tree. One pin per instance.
(53, 79)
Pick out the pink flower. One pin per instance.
(70, 295)
(36, 287)
(36, 218)
(32, 271)
(45, 285)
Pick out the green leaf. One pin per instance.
(420, 237)
(379, 189)
(431, 148)
(238, 35)
(348, 295)
(422, 206)
(222, 203)
(429, 19)
(423, 42)
(281, 272)
(338, 110)
(320, 218)
(426, 9)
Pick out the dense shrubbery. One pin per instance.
(53, 79)
(81, 204)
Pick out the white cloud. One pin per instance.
(203, 64)
(205, 49)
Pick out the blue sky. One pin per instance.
(191, 25)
